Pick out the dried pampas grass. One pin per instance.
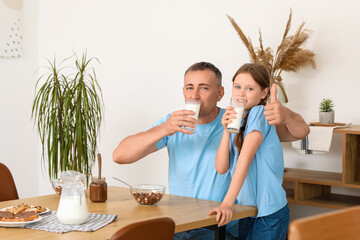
(290, 55)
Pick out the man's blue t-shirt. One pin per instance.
(192, 170)
(263, 184)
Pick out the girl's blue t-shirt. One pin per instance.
(192, 170)
(263, 184)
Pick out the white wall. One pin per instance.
(19, 146)
(145, 47)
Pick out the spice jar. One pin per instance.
(98, 190)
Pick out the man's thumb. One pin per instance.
(273, 93)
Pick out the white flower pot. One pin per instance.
(326, 117)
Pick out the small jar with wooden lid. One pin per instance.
(98, 190)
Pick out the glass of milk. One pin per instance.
(72, 206)
(234, 126)
(193, 105)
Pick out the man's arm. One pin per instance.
(290, 126)
(137, 146)
(294, 127)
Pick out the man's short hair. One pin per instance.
(201, 66)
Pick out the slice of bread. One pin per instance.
(26, 216)
(7, 216)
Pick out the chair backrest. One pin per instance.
(153, 229)
(7, 185)
(339, 224)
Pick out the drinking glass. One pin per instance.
(234, 126)
(193, 105)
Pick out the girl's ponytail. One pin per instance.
(239, 136)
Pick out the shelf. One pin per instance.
(354, 129)
(336, 201)
(289, 189)
(316, 177)
(351, 158)
(313, 188)
(311, 176)
(318, 196)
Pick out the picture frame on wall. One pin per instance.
(11, 28)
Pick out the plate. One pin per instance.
(326, 125)
(47, 210)
(19, 224)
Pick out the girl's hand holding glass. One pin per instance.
(228, 117)
(238, 105)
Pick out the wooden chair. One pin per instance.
(336, 225)
(7, 185)
(153, 229)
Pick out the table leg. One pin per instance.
(220, 232)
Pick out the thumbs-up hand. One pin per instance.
(274, 112)
(273, 93)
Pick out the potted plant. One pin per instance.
(290, 56)
(68, 111)
(326, 113)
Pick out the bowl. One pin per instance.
(56, 184)
(147, 194)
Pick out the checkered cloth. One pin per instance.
(50, 223)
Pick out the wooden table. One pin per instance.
(188, 213)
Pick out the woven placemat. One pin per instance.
(50, 223)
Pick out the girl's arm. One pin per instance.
(251, 144)
(222, 163)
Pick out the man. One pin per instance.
(192, 156)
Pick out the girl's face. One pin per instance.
(246, 88)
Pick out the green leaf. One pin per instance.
(326, 105)
(68, 111)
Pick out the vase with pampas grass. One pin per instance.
(290, 55)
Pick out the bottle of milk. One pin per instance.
(72, 206)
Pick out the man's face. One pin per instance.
(202, 86)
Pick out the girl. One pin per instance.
(255, 159)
